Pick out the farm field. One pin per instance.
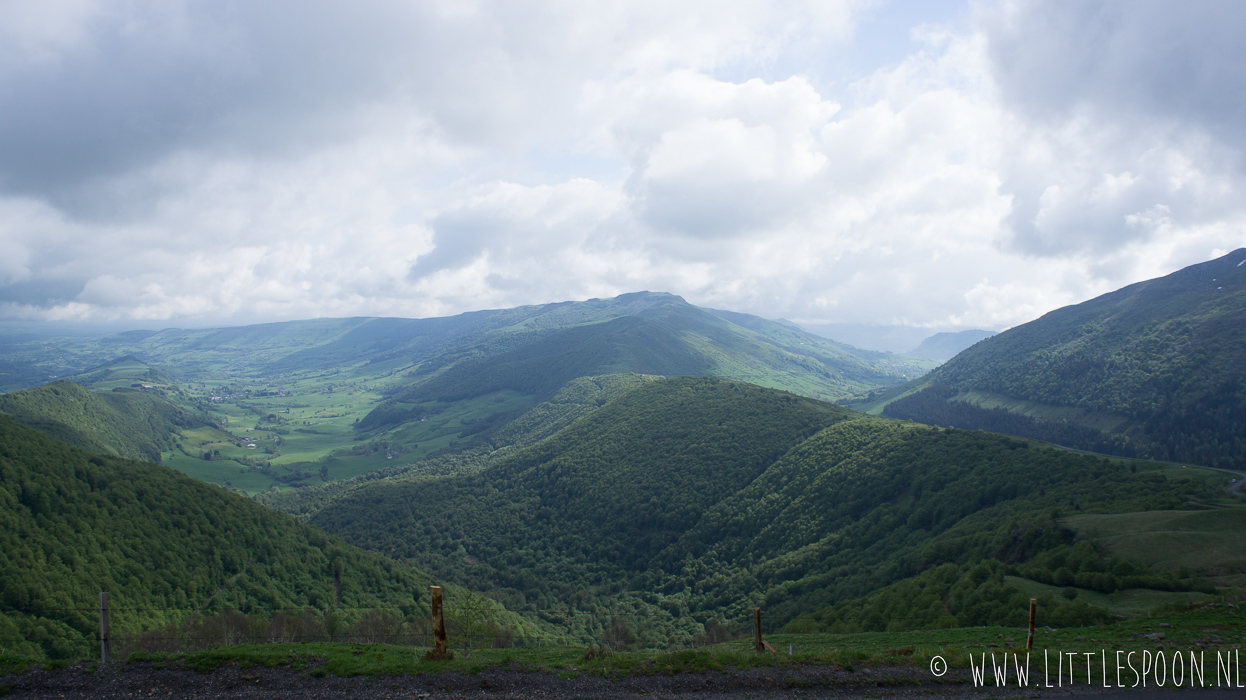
(1128, 603)
(1207, 542)
(306, 425)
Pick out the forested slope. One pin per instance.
(577, 399)
(122, 423)
(1157, 369)
(593, 503)
(689, 498)
(163, 545)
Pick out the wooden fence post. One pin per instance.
(105, 637)
(762, 645)
(439, 651)
(1029, 642)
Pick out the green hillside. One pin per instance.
(574, 401)
(127, 372)
(1157, 370)
(124, 422)
(692, 498)
(660, 334)
(304, 403)
(163, 545)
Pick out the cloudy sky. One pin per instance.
(944, 164)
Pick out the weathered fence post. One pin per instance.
(1029, 642)
(105, 637)
(762, 645)
(757, 628)
(439, 627)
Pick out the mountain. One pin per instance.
(644, 333)
(944, 346)
(1157, 369)
(123, 422)
(689, 498)
(309, 402)
(163, 545)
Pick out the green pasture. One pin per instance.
(446, 422)
(1130, 603)
(223, 472)
(1208, 542)
(319, 428)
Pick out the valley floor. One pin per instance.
(147, 680)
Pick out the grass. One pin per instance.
(1207, 542)
(1130, 603)
(221, 471)
(313, 427)
(1210, 627)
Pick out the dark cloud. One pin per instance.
(144, 81)
(1134, 114)
(1124, 59)
(41, 293)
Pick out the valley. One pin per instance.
(641, 473)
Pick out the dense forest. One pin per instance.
(1158, 369)
(163, 545)
(696, 498)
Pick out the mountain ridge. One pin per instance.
(1155, 369)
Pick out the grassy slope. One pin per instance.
(677, 499)
(1207, 542)
(1154, 369)
(125, 372)
(163, 545)
(133, 424)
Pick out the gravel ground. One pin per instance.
(140, 680)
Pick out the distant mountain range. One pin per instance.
(944, 346)
(644, 333)
(1157, 369)
(913, 341)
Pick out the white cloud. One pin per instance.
(233, 162)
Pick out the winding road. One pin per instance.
(1234, 488)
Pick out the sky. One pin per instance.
(939, 164)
